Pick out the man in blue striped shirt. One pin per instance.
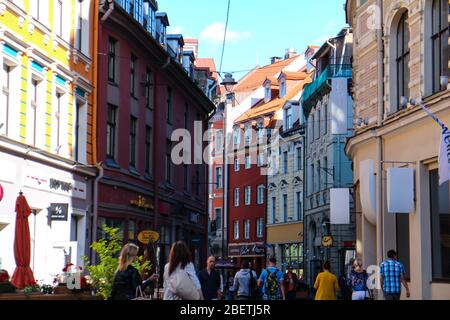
(392, 277)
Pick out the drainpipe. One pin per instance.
(379, 192)
(109, 11)
(95, 207)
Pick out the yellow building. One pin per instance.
(401, 50)
(46, 110)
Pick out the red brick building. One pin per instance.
(144, 94)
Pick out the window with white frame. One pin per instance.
(273, 210)
(5, 98)
(260, 227)
(58, 17)
(267, 93)
(298, 206)
(218, 218)
(236, 137)
(82, 26)
(248, 195)
(325, 118)
(298, 158)
(80, 134)
(219, 178)
(39, 9)
(247, 229)
(285, 162)
(248, 136)
(283, 88)
(59, 109)
(236, 197)
(288, 114)
(285, 207)
(236, 230)
(219, 142)
(33, 117)
(237, 166)
(261, 159)
(248, 162)
(261, 189)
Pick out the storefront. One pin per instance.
(253, 252)
(286, 245)
(60, 201)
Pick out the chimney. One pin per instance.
(290, 53)
(275, 60)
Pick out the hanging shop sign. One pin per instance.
(148, 236)
(58, 211)
(246, 250)
(327, 241)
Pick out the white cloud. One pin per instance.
(214, 33)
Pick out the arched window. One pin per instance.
(402, 59)
(439, 42)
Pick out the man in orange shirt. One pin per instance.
(326, 284)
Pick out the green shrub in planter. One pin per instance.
(7, 287)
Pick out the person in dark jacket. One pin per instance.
(210, 280)
(127, 278)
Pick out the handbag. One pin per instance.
(140, 295)
(182, 286)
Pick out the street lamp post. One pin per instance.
(228, 82)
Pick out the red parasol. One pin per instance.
(23, 276)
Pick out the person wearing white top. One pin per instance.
(179, 258)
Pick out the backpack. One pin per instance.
(272, 285)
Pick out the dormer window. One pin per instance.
(267, 93)
(282, 88)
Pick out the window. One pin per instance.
(285, 162)
(259, 227)
(325, 118)
(197, 179)
(148, 150)
(34, 107)
(218, 218)
(248, 162)
(440, 226)
(439, 42)
(283, 89)
(236, 197)
(402, 231)
(298, 153)
(247, 229)
(236, 230)
(58, 121)
(248, 195)
(298, 205)
(288, 116)
(111, 132)
(133, 66)
(402, 60)
(186, 177)
(248, 136)
(169, 105)
(274, 209)
(260, 195)
(317, 124)
(169, 161)
(112, 60)
(325, 172)
(219, 142)
(267, 93)
(318, 174)
(133, 131)
(237, 166)
(236, 137)
(34, 8)
(77, 149)
(80, 30)
(74, 227)
(58, 18)
(311, 127)
(219, 178)
(285, 208)
(312, 179)
(5, 98)
(149, 89)
(261, 159)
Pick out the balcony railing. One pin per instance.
(331, 71)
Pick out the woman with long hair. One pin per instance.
(180, 259)
(358, 281)
(127, 278)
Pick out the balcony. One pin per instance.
(312, 90)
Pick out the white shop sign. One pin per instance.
(54, 183)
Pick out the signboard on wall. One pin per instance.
(58, 211)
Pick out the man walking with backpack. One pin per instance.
(245, 283)
(271, 280)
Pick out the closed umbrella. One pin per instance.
(23, 276)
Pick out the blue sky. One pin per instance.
(257, 30)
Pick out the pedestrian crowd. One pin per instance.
(182, 282)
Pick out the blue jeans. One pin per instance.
(391, 296)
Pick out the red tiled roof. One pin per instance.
(207, 63)
(275, 104)
(257, 76)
